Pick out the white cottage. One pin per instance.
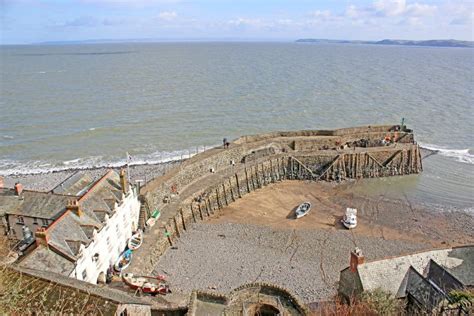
(91, 234)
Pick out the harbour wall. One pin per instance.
(209, 181)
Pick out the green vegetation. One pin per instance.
(382, 303)
(464, 298)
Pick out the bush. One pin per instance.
(382, 303)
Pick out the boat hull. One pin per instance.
(135, 241)
(303, 210)
(152, 289)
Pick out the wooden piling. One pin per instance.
(192, 213)
(176, 226)
(182, 218)
(200, 211)
(231, 190)
(247, 177)
(238, 184)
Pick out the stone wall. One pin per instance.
(209, 181)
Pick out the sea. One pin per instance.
(81, 106)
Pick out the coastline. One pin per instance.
(257, 239)
(45, 182)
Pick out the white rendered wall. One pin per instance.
(111, 241)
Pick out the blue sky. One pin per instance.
(30, 21)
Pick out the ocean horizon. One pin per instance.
(85, 106)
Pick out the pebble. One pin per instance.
(251, 253)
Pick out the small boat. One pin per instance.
(303, 209)
(123, 261)
(135, 241)
(349, 220)
(146, 284)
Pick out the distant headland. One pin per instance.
(435, 43)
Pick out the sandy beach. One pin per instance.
(257, 239)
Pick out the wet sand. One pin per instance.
(257, 239)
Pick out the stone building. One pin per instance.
(90, 233)
(248, 299)
(424, 279)
(23, 208)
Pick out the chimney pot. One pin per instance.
(356, 259)
(42, 237)
(18, 189)
(74, 207)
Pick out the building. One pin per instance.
(91, 231)
(424, 279)
(24, 208)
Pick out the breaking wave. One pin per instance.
(11, 167)
(462, 155)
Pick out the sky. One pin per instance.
(33, 21)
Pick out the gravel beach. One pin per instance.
(308, 262)
(257, 239)
(47, 181)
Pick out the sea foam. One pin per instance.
(462, 155)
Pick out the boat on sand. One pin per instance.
(349, 220)
(149, 285)
(135, 241)
(303, 209)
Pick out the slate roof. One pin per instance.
(391, 274)
(70, 231)
(45, 259)
(464, 272)
(32, 204)
(75, 185)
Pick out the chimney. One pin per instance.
(42, 237)
(123, 181)
(18, 189)
(2, 183)
(74, 207)
(356, 259)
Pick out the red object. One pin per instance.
(139, 283)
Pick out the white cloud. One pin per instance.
(417, 9)
(167, 15)
(390, 7)
(322, 15)
(246, 22)
(393, 8)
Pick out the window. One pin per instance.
(44, 222)
(35, 221)
(20, 220)
(84, 274)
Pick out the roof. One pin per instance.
(75, 185)
(47, 260)
(32, 203)
(391, 274)
(70, 231)
(464, 272)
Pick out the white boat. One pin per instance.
(349, 220)
(303, 209)
(135, 241)
(123, 261)
(146, 284)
